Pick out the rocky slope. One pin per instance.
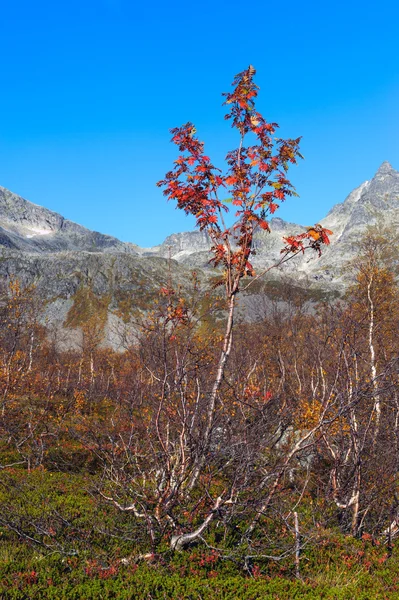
(77, 272)
(374, 202)
(31, 228)
(63, 258)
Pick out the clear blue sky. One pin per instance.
(89, 91)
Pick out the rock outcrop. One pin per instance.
(31, 228)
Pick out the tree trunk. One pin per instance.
(211, 409)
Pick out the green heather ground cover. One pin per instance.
(85, 543)
(32, 576)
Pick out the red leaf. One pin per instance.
(264, 225)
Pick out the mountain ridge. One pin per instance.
(62, 258)
(32, 228)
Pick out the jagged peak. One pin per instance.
(277, 224)
(385, 168)
(17, 200)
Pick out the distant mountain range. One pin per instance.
(31, 228)
(374, 201)
(63, 258)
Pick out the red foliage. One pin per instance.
(256, 178)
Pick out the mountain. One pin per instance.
(31, 228)
(77, 271)
(374, 202)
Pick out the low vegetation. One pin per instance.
(297, 496)
(208, 459)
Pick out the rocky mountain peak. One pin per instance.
(386, 169)
(277, 224)
(374, 202)
(25, 217)
(34, 229)
(62, 257)
(382, 194)
(27, 227)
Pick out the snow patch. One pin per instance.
(38, 232)
(183, 253)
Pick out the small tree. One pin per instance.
(257, 179)
(188, 456)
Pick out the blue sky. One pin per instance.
(89, 91)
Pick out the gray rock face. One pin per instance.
(64, 260)
(31, 228)
(189, 247)
(373, 202)
(74, 286)
(61, 257)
